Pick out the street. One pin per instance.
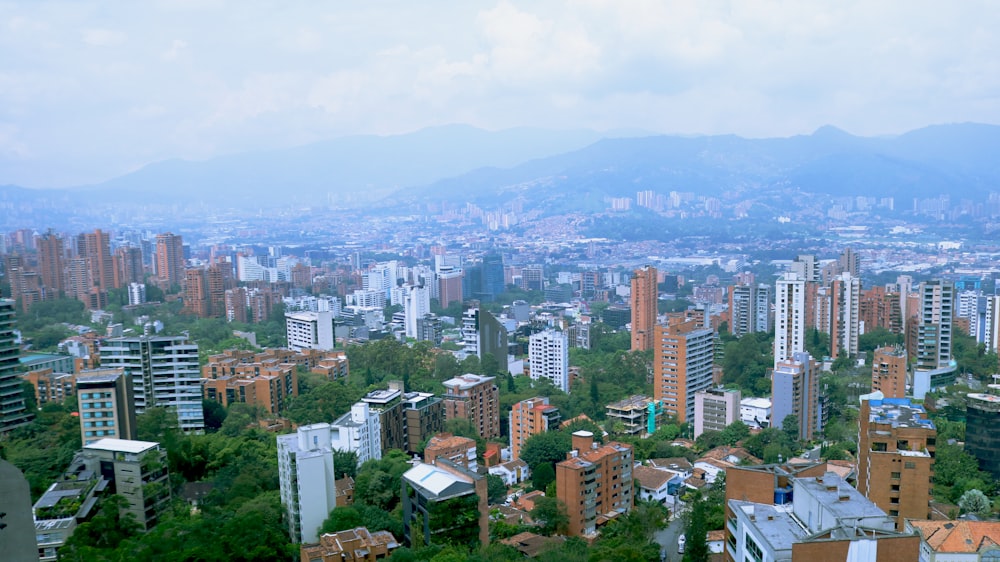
(667, 538)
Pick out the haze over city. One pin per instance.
(568, 281)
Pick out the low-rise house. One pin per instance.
(512, 473)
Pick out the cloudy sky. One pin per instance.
(90, 90)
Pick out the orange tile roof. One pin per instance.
(959, 536)
(651, 478)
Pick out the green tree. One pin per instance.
(696, 533)
(975, 502)
(215, 414)
(345, 463)
(790, 426)
(342, 518)
(546, 448)
(496, 489)
(550, 514)
(542, 476)
(735, 432)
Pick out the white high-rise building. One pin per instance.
(789, 317)
(416, 304)
(305, 473)
(309, 330)
(991, 329)
(164, 371)
(845, 321)
(548, 354)
(358, 431)
(136, 293)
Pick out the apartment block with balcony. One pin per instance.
(595, 483)
(896, 456)
(475, 398)
(715, 408)
(530, 417)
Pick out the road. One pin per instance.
(667, 538)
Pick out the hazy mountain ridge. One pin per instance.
(562, 170)
(958, 160)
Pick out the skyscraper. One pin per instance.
(548, 355)
(164, 371)
(416, 304)
(789, 317)
(169, 259)
(682, 366)
(128, 266)
(474, 398)
(13, 412)
(889, 371)
(643, 298)
(483, 335)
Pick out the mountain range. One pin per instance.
(566, 170)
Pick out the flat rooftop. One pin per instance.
(774, 524)
(828, 491)
(899, 412)
(122, 445)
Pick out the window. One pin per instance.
(878, 446)
(894, 475)
(909, 465)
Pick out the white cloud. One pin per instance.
(205, 78)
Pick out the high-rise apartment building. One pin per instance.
(306, 479)
(387, 403)
(880, 308)
(896, 457)
(96, 247)
(358, 431)
(991, 323)
(51, 263)
(749, 309)
(548, 355)
(13, 412)
(889, 371)
(423, 415)
(845, 325)
(195, 288)
(309, 330)
(934, 365)
(530, 417)
(594, 480)
(475, 398)
(789, 317)
(128, 266)
(416, 305)
(982, 419)
(482, 335)
(450, 287)
(104, 397)
(795, 391)
(169, 259)
(643, 299)
(682, 366)
(164, 372)
(715, 408)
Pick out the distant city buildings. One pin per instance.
(309, 330)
